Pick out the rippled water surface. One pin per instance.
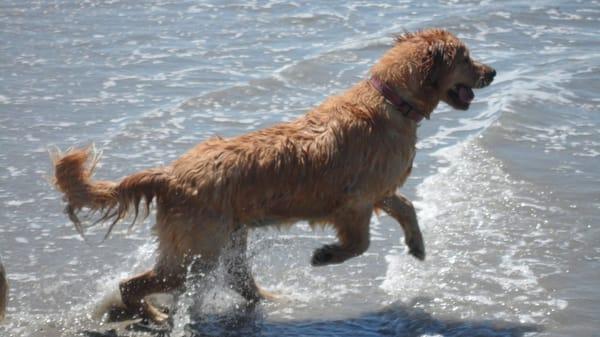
(508, 193)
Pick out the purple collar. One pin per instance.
(390, 95)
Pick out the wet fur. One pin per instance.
(333, 166)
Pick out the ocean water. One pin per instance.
(508, 193)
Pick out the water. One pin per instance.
(508, 193)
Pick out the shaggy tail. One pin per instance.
(113, 201)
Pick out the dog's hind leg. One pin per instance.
(135, 289)
(239, 274)
(352, 227)
(196, 249)
(401, 209)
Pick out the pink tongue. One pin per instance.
(465, 94)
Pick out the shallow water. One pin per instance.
(508, 193)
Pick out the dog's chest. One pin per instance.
(394, 166)
(387, 165)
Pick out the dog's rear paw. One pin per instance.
(119, 314)
(322, 256)
(155, 314)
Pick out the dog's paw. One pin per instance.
(416, 248)
(118, 313)
(322, 256)
(154, 314)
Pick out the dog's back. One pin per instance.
(3, 291)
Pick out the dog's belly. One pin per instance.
(288, 212)
(324, 201)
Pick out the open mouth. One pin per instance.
(461, 96)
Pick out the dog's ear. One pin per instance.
(438, 59)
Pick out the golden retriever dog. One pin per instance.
(334, 166)
(3, 291)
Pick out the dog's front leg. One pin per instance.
(401, 209)
(352, 226)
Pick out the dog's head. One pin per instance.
(448, 67)
(435, 65)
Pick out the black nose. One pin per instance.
(490, 75)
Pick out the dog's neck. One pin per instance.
(403, 107)
(407, 79)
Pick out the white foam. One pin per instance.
(17, 203)
(477, 233)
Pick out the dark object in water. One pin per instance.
(3, 291)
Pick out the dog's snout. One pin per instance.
(487, 77)
(489, 74)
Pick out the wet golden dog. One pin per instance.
(334, 166)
